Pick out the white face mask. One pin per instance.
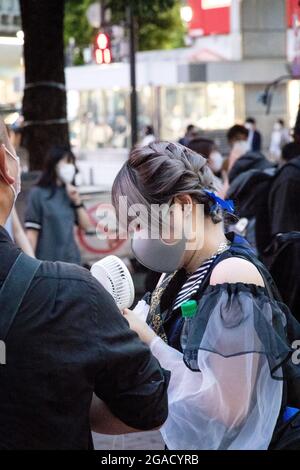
(249, 126)
(15, 170)
(241, 147)
(66, 173)
(215, 161)
(277, 126)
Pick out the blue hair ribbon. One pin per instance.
(227, 206)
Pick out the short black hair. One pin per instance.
(235, 130)
(202, 145)
(190, 127)
(251, 120)
(290, 151)
(55, 154)
(149, 130)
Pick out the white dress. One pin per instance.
(226, 389)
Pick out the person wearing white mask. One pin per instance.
(209, 150)
(149, 136)
(279, 137)
(54, 208)
(241, 157)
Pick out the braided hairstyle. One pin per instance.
(159, 172)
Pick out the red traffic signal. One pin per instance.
(102, 49)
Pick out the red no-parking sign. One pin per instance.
(103, 241)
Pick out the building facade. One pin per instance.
(238, 48)
(10, 56)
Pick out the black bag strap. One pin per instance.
(240, 252)
(14, 289)
(261, 272)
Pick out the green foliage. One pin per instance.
(159, 23)
(77, 26)
(163, 30)
(141, 8)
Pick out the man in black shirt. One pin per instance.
(243, 158)
(285, 192)
(284, 216)
(67, 344)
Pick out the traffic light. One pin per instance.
(102, 49)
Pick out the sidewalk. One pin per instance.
(139, 441)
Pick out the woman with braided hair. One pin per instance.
(227, 368)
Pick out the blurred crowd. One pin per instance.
(214, 309)
(53, 207)
(264, 183)
(262, 180)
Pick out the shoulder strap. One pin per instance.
(239, 251)
(270, 285)
(14, 290)
(262, 273)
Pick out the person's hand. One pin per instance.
(223, 192)
(73, 194)
(144, 331)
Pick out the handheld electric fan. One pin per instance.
(112, 273)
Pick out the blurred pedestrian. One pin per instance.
(279, 137)
(149, 136)
(285, 193)
(241, 157)
(246, 186)
(284, 217)
(254, 136)
(209, 150)
(54, 208)
(15, 132)
(190, 133)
